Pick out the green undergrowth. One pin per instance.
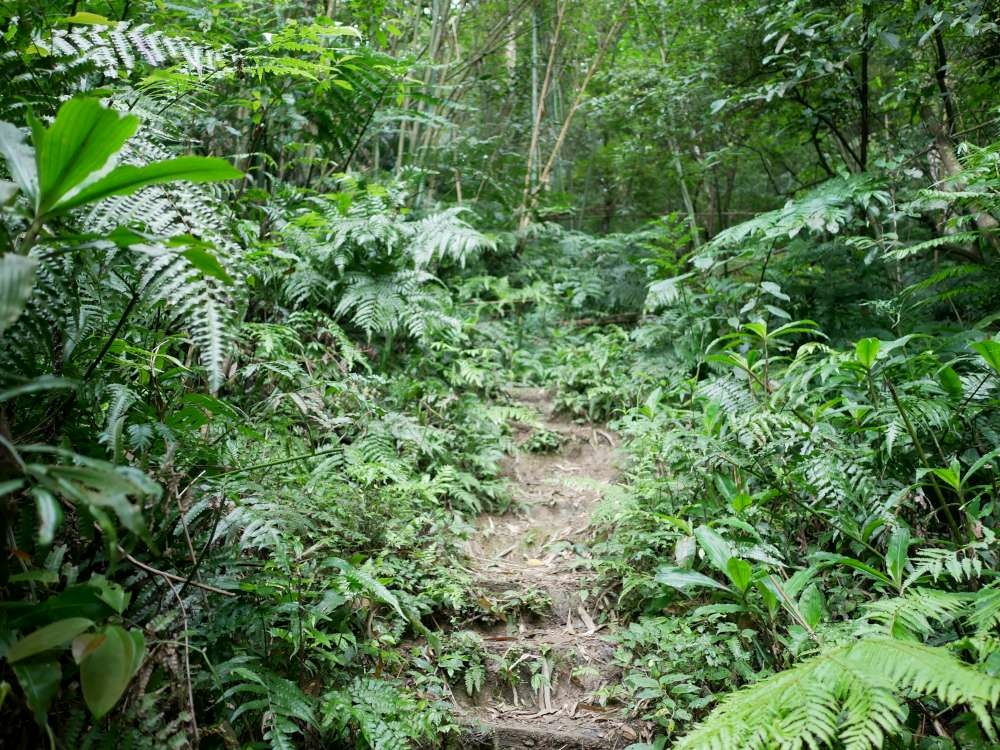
(255, 346)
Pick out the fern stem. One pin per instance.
(30, 236)
(942, 502)
(172, 576)
(279, 462)
(114, 335)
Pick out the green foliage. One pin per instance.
(245, 428)
(850, 694)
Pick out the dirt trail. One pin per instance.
(534, 555)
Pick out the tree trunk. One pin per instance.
(950, 167)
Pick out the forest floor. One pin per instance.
(536, 554)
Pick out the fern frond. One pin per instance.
(852, 695)
(120, 48)
(985, 615)
(917, 612)
(935, 563)
(122, 398)
(444, 235)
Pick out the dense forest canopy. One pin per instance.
(500, 373)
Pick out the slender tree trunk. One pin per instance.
(941, 78)
(951, 166)
(538, 102)
(543, 178)
(685, 193)
(864, 92)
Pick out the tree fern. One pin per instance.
(444, 234)
(121, 47)
(853, 695)
(985, 614)
(918, 613)
(280, 702)
(122, 398)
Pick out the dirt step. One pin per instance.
(531, 567)
(512, 733)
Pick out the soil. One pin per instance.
(536, 556)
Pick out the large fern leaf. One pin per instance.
(852, 695)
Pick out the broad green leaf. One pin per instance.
(338, 30)
(106, 671)
(866, 351)
(682, 578)
(812, 605)
(799, 580)
(717, 549)
(768, 592)
(868, 570)
(721, 608)
(86, 644)
(128, 178)
(39, 680)
(990, 351)
(46, 638)
(17, 280)
(207, 263)
(79, 600)
(983, 461)
(756, 328)
(20, 158)
(10, 485)
(8, 190)
(740, 502)
(93, 487)
(36, 576)
(951, 382)
(49, 515)
(110, 593)
(86, 19)
(739, 572)
(798, 326)
(81, 140)
(684, 550)
(950, 476)
(897, 553)
(36, 385)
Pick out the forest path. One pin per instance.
(551, 654)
